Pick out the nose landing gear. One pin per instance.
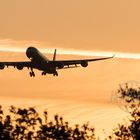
(32, 74)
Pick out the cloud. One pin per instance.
(9, 45)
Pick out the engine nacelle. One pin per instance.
(60, 65)
(2, 66)
(84, 63)
(19, 66)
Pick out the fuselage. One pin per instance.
(40, 61)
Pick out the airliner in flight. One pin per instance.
(42, 63)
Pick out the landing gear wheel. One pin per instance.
(32, 74)
(55, 74)
(43, 73)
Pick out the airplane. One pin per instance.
(42, 63)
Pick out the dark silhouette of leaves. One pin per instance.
(26, 124)
(131, 131)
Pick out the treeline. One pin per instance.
(26, 123)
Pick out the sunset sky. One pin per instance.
(81, 29)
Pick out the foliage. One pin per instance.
(27, 124)
(132, 131)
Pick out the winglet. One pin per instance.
(54, 56)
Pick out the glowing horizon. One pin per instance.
(62, 51)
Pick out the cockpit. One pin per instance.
(31, 52)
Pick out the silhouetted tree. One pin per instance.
(25, 124)
(132, 131)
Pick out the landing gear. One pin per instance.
(43, 73)
(55, 73)
(32, 74)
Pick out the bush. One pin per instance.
(127, 132)
(27, 124)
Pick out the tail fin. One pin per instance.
(54, 56)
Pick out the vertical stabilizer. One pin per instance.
(54, 56)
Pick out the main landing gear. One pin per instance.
(43, 73)
(55, 73)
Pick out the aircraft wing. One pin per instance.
(18, 65)
(74, 63)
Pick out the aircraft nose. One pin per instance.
(30, 52)
(31, 48)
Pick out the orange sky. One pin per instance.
(79, 94)
(80, 24)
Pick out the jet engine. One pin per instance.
(19, 66)
(84, 63)
(2, 66)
